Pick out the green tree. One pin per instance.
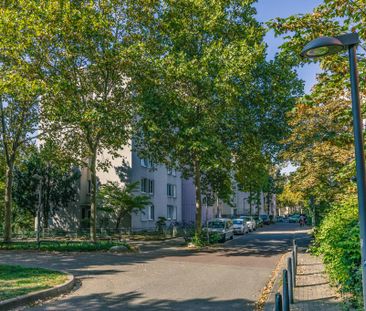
(290, 198)
(321, 141)
(20, 88)
(88, 63)
(121, 201)
(59, 183)
(2, 187)
(204, 58)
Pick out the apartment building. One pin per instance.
(242, 204)
(162, 185)
(171, 197)
(239, 205)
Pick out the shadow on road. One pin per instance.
(259, 250)
(263, 243)
(136, 301)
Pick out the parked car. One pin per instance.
(280, 219)
(294, 218)
(258, 221)
(221, 226)
(240, 226)
(265, 218)
(250, 222)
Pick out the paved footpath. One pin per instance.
(227, 278)
(312, 291)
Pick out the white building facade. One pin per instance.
(162, 185)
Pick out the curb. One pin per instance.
(30, 298)
(277, 285)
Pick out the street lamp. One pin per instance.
(329, 45)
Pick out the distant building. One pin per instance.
(240, 204)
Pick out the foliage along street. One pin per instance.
(127, 119)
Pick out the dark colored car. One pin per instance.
(258, 221)
(294, 218)
(265, 219)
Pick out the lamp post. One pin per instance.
(329, 45)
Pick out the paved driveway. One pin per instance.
(229, 278)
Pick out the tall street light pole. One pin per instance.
(329, 45)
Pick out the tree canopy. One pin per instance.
(210, 102)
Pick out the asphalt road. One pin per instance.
(228, 278)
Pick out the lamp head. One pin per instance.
(322, 46)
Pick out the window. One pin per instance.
(172, 171)
(85, 212)
(89, 187)
(147, 185)
(148, 213)
(146, 163)
(151, 212)
(172, 212)
(171, 191)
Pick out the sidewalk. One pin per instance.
(312, 291)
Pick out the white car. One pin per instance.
(250, 221)
(221, 226)
(240, 226)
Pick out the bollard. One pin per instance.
(295, 249)
(285, 297)
(290, 280)
(294, 266)
(278, 302)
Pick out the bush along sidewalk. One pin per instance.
(337, 240)
(64, 246)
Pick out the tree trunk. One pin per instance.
(118, 221)
(93, 206)
(197, 184)
(250, 202)
(8, 202)
(269, 202)
(46, 202)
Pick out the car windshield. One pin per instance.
(264, 216)
(238, 221)
(247, 219)
(216, 224)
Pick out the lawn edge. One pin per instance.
(44, 294)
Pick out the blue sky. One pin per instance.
(268, 9)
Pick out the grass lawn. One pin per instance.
(18, 280)
(62, 246)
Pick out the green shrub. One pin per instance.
(63, 246)
(338, 241)
(201, 240)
